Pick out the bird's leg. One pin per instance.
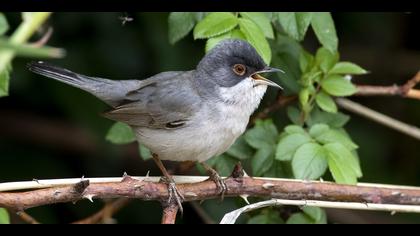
(173, 192)
(215, 177)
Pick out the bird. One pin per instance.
(183, 115)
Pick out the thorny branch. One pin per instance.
(396, 198)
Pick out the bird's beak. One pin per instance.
(263, 81)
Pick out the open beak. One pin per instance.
(259, 80)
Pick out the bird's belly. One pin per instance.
(193, 143)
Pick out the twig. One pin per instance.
(408, 198)
(379, 117)
(106, 212)
(231, 217)
(27, 218)
(169, 214)
(407, 90)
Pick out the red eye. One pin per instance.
(239, 69)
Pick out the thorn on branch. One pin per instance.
(81, 186)
(238, 171)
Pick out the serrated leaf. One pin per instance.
(288, 145)
(306, 60)
(215, 24)
(235, 34)
(4, 26)
(299, 218)
(262, 161)
(295, 24)
(358, 169)
(342, 164)
(4, 216)
(294, 129)
(326, 59)
(333, 136)
(255, 37)
(276, 171)
(145, 153)
(317, 214)
(325, 102)
(240, 149)
(324, 29)
(180, 24)
(309, 161)
(262, 20)
(337, 85)
(345, 68)
(318, 129)
(120, 133)
(334, 120)
(263, 134)
(268, 217)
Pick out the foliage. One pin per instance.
(316, 141)
(4, 216)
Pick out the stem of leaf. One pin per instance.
(25, 30)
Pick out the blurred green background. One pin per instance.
(51, 130)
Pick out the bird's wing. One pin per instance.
(161, 103)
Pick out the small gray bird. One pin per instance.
(183, 115)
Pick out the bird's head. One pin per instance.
(234, 61)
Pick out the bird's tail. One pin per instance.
(110, 91)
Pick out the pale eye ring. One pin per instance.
(239, 69)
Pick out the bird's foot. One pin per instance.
(174, 195)
(220, 183)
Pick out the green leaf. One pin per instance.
(240, 149)
(333, 136)
(268, 217)
(4, 26)
(337, 85)
(224, 164)
(317, 214)
(295, 24)
(294, 114)
(215, 24)
(326, 59)
(357, 168)
(294, 129)
(334, 120)
(145, 153)
(180, 24)
(318, 129)
(342, 164)
(286, 53)
(309, 161)
(306, 60)
(30, 51)
(211, 42)
(325, 102)
(324, 29)
(262, 135)
(304, 96)
(4, 216)
(288, 145)
(299, 218)
(4, 81)
(262, 20)
(120, 133)
(276, 171)
(262, 161)
(255, 37)
(347, 68)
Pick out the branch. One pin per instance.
(406, 199)
(105, 213)
(379, 117)
(405, 90)
(169, 214)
